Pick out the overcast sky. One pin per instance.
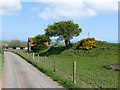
(20, 19)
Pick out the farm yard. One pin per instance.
(92, 66)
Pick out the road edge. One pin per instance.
(65, 83)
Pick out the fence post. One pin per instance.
(74, 72)
(54, 66)
(33, 55)
(44, 60)
(38, 56)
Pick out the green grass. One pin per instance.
(1, 63)
(90, 65)
(0, 59)
(0, 46)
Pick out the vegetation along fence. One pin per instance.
(85, 72)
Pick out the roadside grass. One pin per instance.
(90, 65)
(56, 77)
(1, 63)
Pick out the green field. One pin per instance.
(91, 71)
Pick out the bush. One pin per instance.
(40, 41)
(1, 49)
(87, 44)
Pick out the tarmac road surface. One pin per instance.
(17, 73)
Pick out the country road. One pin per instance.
(20, 74)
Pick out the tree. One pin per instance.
(65, 30)
(39, 42)
(15, 43)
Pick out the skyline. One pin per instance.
(21, 20)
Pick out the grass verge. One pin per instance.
(90, 65)
(65, 83)
(1, 65)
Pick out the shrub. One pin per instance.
(1, 49)
(87, 44)
(41, 43)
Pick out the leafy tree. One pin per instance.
(65, 30)
(15, 43)
(24, 44)
(39, 42)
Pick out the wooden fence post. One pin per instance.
(44, 60)
(38, 57)
(74, 72)
(33, 55)
(54, 66)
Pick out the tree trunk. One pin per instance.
(67, 42)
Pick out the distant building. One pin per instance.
(30, 44)
(5, 46)
(25, 48)
(18, 48)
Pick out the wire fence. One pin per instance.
(72, 69)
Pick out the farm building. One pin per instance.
(30, 44)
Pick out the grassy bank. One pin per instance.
(1, 63)
(91, 71)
